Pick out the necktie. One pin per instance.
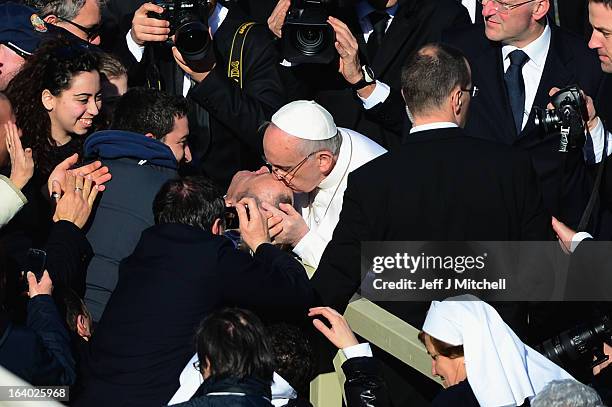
(379, 24)
(516, 86)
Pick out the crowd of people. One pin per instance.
(184, 202)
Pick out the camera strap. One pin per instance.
(234, 69)
(586, 215)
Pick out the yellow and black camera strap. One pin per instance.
(235, 66)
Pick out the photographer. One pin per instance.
(181, 269)
(373, 38)
(228, 111)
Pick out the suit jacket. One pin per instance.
(563, 177)
(454, 188)
(176, 276)
(416, 23)
(225, 120)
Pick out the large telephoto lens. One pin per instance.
(193, 41)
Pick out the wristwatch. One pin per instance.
(368, 78)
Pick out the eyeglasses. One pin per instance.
(503, 7)
(473, 91)
(287, 176)
(92, 32)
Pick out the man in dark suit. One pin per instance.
(516, 63)
(228, 111)
(377, 34)
(440, 186)
(180, 271)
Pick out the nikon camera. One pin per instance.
(568, 118)
(307, 38)
(189, 24)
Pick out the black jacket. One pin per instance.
(139, 166)
(231, 392)
(225, 121)
(416, 23)
(175, 277)
(39, 353)
(565, 182)
(440, 186)
(364, 385)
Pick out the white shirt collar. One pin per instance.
(432, 126)
(536, 50)
(281, 390)
(364, 8)
(217, 17)
(344, 159)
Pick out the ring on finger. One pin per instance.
(78, 189)
(55, 195)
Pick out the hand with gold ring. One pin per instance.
(22, 163)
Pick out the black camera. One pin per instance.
(580, 349)
(307, 38)
(189, 24)
(567, 118)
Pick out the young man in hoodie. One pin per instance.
(143, 151)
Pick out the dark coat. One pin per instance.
(175, 277)
(39, 353)
(440, 186)
(416, 23)
(252, 393)
(364, 385)
(564, 179)
(225, 121)
(126, 206)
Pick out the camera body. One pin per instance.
(189, 24)
(307, 38)
(568, 118)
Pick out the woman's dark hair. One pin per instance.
(52, 67)
(443, 348)
(235, 344)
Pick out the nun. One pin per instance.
(480, 359)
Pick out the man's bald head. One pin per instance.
(263, 187)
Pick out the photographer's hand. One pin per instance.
(145, 28)
(592, 113)
(277, 18)
(199, 73)
(253, 225)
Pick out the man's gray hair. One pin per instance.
(333, 144)
(67, 9)
(567, 393)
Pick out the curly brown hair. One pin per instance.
(52, 67)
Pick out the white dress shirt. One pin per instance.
(214, 21)
(321, 207)
(432, 126)
(470, 5)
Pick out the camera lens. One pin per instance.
(193, 40)
(309, 40)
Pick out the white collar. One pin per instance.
(281, 389)
(344, 160)
(364, 8)
(217, 17)
(536, 50)
(432, 126)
